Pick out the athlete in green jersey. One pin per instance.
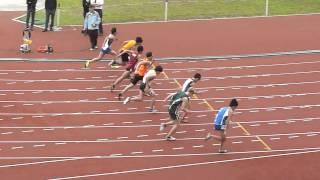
(179, 103)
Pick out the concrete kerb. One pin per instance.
(198, 58)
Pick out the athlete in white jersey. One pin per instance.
(186, 86)
(145, 87)
(221, 122)
(106, 48)
(190, 82)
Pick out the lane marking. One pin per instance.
(157, 150)
(39, 145)
(187, 165)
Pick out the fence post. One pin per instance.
(267, 8)
(58, 28)
(166, 10)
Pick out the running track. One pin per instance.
(59, 121)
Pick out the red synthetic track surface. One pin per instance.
(60, 121)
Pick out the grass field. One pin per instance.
(153, 10)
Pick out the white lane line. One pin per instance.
(127, 122)
(95, 111)
(39, 145)
(203, 115)
(11, 83)
(236, 142)
(199, 130)
(123, 137)
(17, 147)
(6, 106)
(273, 123)
(91, 88)
(3, 94)
(289, 122)
(116, 154)
(181, 132)
(254, 125)
(27, 131)
(7, 133)
(255, 140)
(113, 110)
(138, 152)
(15, 118)
(157, 150)
(275, 138)
(60, 143)
(101, 99)
(48, 129)
(147, 120)
(142, 135)
(89, 126)
(310, 135)
(19, 93)
(132, 108)
(254, 111)
(178, 148)
(28, 104)
(292, 137)
(104, 139)
(108, 124)
(200, 146)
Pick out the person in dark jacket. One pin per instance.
(50, 6)
(31, 11)
(85, 5)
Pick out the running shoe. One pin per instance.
(223, 151)
(119, 96)
(209, 136)
(170, 138)
(162, 126)
(115, 66)
(153, 110)
(112, 87)
(86, 65)
(126, 100)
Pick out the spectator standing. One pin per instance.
(31, 11)
(85, 5)
(98, 6)
(50, 6)
(91, 26)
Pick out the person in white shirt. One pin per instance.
(98, 6)
(145, 87)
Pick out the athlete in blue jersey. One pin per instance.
(106, 48)
(221, 122)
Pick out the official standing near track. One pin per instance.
(90, 26)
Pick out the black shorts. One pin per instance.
(174, 113)
(136, 79)
(143, 86)
(125, 57)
